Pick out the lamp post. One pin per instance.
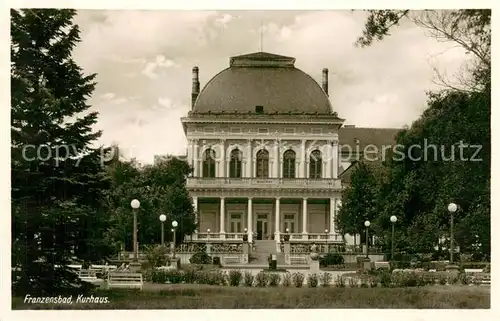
(452, 208)
(394, 219)
(174, 225)
(135, 205)
(326, 241)
(208, 234)
(163, 218)
(245, 236)
(367, 225)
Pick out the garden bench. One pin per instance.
(382, 265)
(231, 259)
(473, 270)
(125, 280)
(89, 275)
(297, 260)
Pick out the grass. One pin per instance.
(194, 296)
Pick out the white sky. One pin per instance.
(144, 58)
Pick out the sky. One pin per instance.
(143, 61)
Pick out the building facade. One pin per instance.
(263, 142)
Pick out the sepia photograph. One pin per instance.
(244, 159)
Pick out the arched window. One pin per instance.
(262, 164)
(209, 163)
(289, 164)
(235, 164)
(315, 164)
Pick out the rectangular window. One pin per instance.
(290, 130)
(317, 130)
(209, 129)
(263, 130)
(235, 130)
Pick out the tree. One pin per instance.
(359, 200)
(161, 190)
(469, 29)
(419, 186)
(58, 210)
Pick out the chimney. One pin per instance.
(325, 80)
(196, 86)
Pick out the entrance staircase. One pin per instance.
(263, 248)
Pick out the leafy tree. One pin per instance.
(161, 190)
(418, 188)
(469, 29)
(359, 200)
(58, 210)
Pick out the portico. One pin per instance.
(266, 218)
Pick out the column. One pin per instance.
(304, 215)
(329, 159)
(335, 158)
(190, 153)
(222, 217)
(333, 209)
(277, 221)
(276, 170)
(303, 158)
(222, 165)
(248, 172)
(250, 223)
(196, 158)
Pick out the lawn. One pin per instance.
(194, 296)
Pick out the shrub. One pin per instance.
(211, 277)
(325, 279)
(404, 279)
(442, 279)
(363, 283)
(248, 279)
(353, 282)
(202, 277)
(190, 275)
(274, 279)
(148, 275)
(235, 277)
(200, 258)
(157, 255)
(452, 279)
(287, 279)
(159, 277)
(331, 259)
(340, 281)
(218, 278)
(373, 281)
(312, 280)
(262, 279)
(298, 279)
(464, 279)
(385, 279)
(175, 276)
(422, 280)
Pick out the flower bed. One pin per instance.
(377, 278)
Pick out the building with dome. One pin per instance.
(263, 142)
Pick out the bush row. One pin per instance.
(265, 279)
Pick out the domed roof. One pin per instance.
(262, 79)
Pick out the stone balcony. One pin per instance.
(272, 183)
